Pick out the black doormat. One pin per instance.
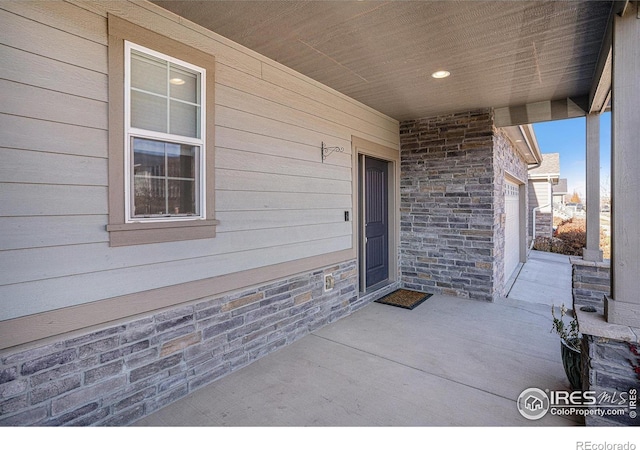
(404, 298)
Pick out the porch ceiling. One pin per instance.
(382, 53)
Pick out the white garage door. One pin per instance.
(512, 229)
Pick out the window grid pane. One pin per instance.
(184, 85)
(148, 73)
(183, 119)
(165, 97)
(164, 178)
(149, 112)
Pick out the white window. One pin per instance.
(164, 137)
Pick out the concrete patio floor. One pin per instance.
(449, 362)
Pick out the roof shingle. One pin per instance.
(550, 166)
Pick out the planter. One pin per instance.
(571, 361)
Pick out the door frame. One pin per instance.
(360, 149)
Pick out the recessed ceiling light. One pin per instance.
(177, 81)
(518, 140)
(441, 74)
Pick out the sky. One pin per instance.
(568, 137)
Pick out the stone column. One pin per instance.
(447, 242)
(592, 251)
(623, 307)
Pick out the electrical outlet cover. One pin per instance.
(329, 282)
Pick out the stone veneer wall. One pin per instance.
(544, 224)
(123, 372)
(610, 364)
(447, 210)
(591, 281)
(505, 161)
(611, 367)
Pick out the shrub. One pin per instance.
(553, 245)
(572, 225)
(573, 233)
(569, 239)
(605, 245)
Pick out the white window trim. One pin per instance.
(130, 132)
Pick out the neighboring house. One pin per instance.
(542, 179)
(560, 191)
(176, 205)
(560, 197)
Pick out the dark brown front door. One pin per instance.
(376, 213)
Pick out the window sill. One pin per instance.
(156, 232)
